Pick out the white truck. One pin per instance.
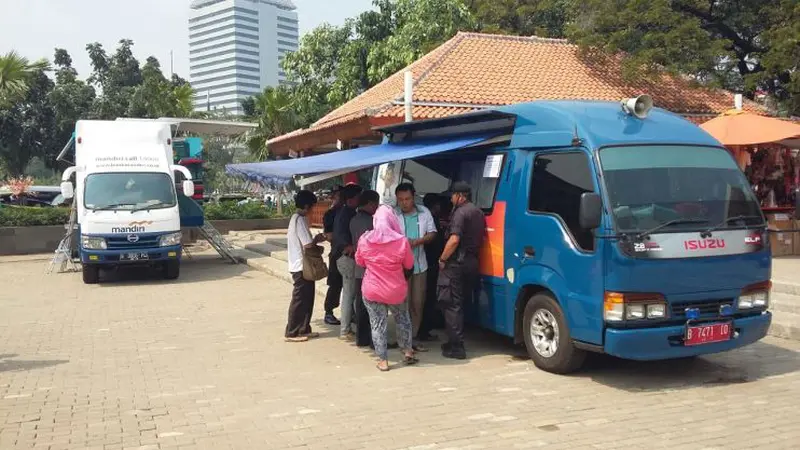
(127, 206)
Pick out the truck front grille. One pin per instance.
(122, 243)
(708, 308)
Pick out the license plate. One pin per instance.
(707, 334)
(134, 257)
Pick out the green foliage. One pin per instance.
(233, 211)
(748, 45)
(335, 64)
(543, 18)
(22, 216)
(274, 111)
(16, 75)
(28, 126)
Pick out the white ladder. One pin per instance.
(63, 254)
(213, 236)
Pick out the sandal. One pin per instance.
(297, 339)
(312, 335)
(410, 360)
(381, 367)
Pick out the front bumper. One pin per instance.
(106, 257)
(666, 343)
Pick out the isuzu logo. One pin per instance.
(703, 244)
(133, 238)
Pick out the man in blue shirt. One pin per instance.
(420, 229)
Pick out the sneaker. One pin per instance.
(330, 319)
(455, 353)
(349, 337)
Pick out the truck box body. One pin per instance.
(125, 192)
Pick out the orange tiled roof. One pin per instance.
(473, 71)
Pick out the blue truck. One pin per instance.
(612, 228)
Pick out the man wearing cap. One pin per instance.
(458, 266)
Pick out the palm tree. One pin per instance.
(15, 72)
(184, 100)
(276, 115)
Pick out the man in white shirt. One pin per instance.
(298, 237)
(420, 229)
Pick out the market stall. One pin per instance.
(768, 152)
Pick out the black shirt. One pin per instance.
(468, 223)
(329, 217)
(341, 231)
(360, 224)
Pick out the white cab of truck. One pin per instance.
(127, 206)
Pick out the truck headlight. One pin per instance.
(618, 306)
(93, 242)
(169, 240)
(755, 296)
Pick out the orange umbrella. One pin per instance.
(740, 128)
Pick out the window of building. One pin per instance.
(557, 183)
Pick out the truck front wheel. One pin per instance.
(91, 274)
(547, 337)
(172, 270)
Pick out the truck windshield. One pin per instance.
(677, 188)
(128, 191)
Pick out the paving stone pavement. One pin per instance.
(200, 363)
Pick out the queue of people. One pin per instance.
(386, 259)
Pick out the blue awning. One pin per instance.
(280, 172)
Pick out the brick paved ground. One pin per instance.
(201, 364)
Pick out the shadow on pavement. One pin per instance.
(199, 268)
(10, 365)
(759, 360)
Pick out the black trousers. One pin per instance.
(334, 294)
(363, 328)
(431, 314)
(455, 287)
(301, 306)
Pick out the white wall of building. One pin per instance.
(235, 47)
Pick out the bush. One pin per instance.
(247, 211)
(22, 216)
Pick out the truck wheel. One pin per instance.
(547, 336)
(172, 270)
(91, 274)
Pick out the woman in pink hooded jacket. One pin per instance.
(385, 253)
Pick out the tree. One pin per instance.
(27, 128)
(335, 64)
(274, 111)
(16, 73)
(422, 25)
(543, 18)
(71, 99)
(743, 46)
(116, 77)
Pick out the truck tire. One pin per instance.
(547, 337)
(91, 274)
(172, 270)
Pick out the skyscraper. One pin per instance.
(235, 49)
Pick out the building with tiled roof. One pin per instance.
(477, 71)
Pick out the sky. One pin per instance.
(34, 28)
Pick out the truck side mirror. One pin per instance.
(188, 188)
(590, 214)
(67, 190)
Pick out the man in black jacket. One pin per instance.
(334, 277)
(361, 223)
